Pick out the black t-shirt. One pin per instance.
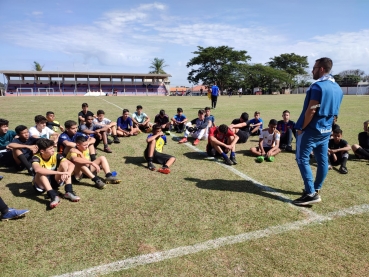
(84, 116)
(364, 140)
(30, 141)
(341, 144)
(238, 121)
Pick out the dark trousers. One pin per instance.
(286, 138)
(214, 101)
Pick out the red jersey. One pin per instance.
(214, 132)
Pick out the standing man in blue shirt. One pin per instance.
(322, 103)
(214, 95)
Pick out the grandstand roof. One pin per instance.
(13, 73)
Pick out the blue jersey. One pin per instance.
(124, 124)
(65, 137)
(256, 121)
(214, 90)
(282, 126)
(179, 118)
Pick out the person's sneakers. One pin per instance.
(306, 199)
(107, 150)
(164, 170)
(109, 141)
(31, 172)
(71, 196)
(343, 170)
(167, 133)
(227, 161)
(289, 148)
(116, 140)
(151, 166)
(233, 159)
(283, 146)
(99, 184)
(196, 142)
(55, 202)
(112, 180)
(183, 140)
(13, 214)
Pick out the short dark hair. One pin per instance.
(4, 122)
(84, 105)
(20, 128)
(49, 112)
(139, 107)
(223, 129)
(162, 112)
(245, 117)
(273, 122)
(40, 119)
(100, 112)
(207, 109)
(125, 111)
(326, 63)
(179, 110)
(337, 131)
(80, 139)
(256, 112)
(69, 123)
(156, 126)
(44, 143)
(286, 111)
(201, 112)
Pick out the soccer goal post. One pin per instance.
(45, 91)
(362, 88)
(21, 91)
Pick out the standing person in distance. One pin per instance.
(322, 102)
(214, 95)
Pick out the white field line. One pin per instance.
(110, 103)
(213, 244)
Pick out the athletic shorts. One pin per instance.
(6, 159)
(159, 158)
(243, 136)
(52, 181)
(266, 149)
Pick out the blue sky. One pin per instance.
(125, 36)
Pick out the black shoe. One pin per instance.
(116, 140)
(31, 172)
(289, 148)
(233, 159)
(151, 166)
(305, 199)
(343, 170)
(283, 146)
(227, 161)
(110, 141)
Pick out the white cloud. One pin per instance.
(37, 13)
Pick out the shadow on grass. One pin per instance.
(196, 156)
(139, 161)
(26, 190)
(241, 186)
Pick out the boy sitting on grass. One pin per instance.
(153, 152)
(80, 157)
(197, 128)
(52, 123)
(268, 143)
(41, 131)
(52, 170)
(112, 126)
(338, 151)
(179, 121)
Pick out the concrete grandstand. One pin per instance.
(52, 83)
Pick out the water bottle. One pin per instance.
(114, 174)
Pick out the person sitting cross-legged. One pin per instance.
(197, 128)
(268, 142)
(179, 121)
(52, 170)
(241, 128)
(96, 131)
(112, 126)
(153, 152)
(361, 150)
(125, 126)
(80, 157)
(338, 151)
(141, 120)
(221, 140)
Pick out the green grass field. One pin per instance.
(200, 200)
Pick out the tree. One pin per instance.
(37, 66)
(157, 65)
(292, 64)
(218, 65)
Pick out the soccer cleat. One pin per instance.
(343, 170)
(13, 214)
(109, 141)
(100, 184)
(107, 150)
(55, 202)
(196, 142)
(260, 159)
(116, 140)
(112, 180)
(233, 159)
(183, 140)
(306, 199)
(227, 161)
(164, 170)
(151, 166)
(71, 196)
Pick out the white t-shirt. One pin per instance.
(104, 122)
(269, 139)
(139, 118)
(45, 133)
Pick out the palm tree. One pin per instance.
(157, 65)
(37, 66)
